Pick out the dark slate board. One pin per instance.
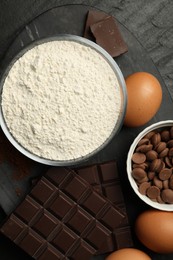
(71, 19)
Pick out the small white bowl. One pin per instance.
(156, 126)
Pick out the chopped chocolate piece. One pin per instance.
(167, 196)
(153, 192)
(139, 158)
(108, 36)
(64, 217)
(92, 18)
(143, 187)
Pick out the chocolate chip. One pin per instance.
(138, 158)
(155, 165)
(143, 141)
(151, 155)
(167, 196)
(171, 182)
(164, 153)
(138, 173)
(145, 179)
(162, 166)
(149, 135)
(144, 148)
(143, 187)
(165, 135)
(153, 192)
(159, 200)
(160, 147)
(151, 175)
(170, 143)
(158, 183)
(144, 165)
(166, 184)
(165, 174)
(155, 139)
(168, 162)
(170, 153)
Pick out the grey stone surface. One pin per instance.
(151, 22)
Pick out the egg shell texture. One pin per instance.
(128, 254)
(144, 98)
(154, 229)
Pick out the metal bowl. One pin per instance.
(157, 126)
(118, 125)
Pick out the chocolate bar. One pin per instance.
(63, 216)
(108, 36)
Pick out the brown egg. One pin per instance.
(144, 98)
(154, 229)
(128, 254)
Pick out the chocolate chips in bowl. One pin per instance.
(150, 165)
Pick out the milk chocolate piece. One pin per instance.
(157, 182)
(163, 153)
(167, 196)
(170, 144)
(151, 155)
(145, 179)
(92, 18)
(143, 187)
(155, 139)
(149, 135)
(160, 147)
(151, 175)
(139, 158)
(165, 136)
(108, 36)
(143, 141)
(168, 162)
(153, 192)
(138, 173)
(144, 165)
(165, 174)
(155, 165)
(46, 224)
(144, 148)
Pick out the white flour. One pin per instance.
(61, 100)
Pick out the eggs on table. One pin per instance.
(144, 97)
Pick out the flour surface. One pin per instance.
(61, 100)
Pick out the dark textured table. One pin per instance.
(147, 24)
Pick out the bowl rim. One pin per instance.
(123, 92)
(158, 125)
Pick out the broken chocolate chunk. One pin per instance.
(108, 36)
(92, 18)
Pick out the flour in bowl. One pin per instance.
(61, 100)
